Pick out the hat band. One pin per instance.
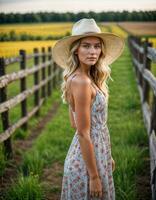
(86, 33)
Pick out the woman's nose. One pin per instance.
(92, 50)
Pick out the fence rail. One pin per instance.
(45, 74)
(143, 55)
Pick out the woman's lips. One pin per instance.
(91, 58)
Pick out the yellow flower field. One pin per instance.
(117, 30)
(10, 49)
(153, 40)
(40, 29)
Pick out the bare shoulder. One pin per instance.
(80, 80)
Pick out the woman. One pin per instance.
(85, 56)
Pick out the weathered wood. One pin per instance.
(151, 79)
(43, 74)
(151, 54)
(153, 116)
(8, 132)
(5, 79)
(5, 115)
(146, 82)
(145, 66)
(7, 105)
(9, 61)
(23, 87)
(8, 78)
(152, 145)
(137, 47)
(36, 80)
(49, 85)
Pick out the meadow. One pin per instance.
(40, 171)
(128, 137)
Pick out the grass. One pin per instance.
(126, 127)
(126, 130)
(26, 188)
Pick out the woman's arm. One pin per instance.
(71, 117)
(82, 98)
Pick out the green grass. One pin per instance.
(13, 89)
(127, 134)
(126, 128)
(26, 188)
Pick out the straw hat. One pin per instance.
(114, 44)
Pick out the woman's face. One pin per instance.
(89, 50)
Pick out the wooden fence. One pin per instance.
(143, 56)
(45, 74)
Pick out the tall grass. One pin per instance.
(26, 188)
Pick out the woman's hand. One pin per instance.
(95, 187)
(113, 164)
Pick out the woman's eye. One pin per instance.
(86, 46)
(97, 47)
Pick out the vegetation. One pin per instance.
(71, 17)
(10, 49)
(40, 31)
(128, 137)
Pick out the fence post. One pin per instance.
(55, 77)
(36, 80)
(5, 115)
(23, 86)
(140, 59)
(146, 65)
(153, 115)
(43, 93)
(49, 85)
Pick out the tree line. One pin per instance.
(38, 17)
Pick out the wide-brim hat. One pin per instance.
(114, 44)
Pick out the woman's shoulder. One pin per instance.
(78, 79)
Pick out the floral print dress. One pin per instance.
(75, 182)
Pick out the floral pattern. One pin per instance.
(75, 182)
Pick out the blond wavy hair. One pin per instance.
(99, 73)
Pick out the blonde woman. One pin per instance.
(85, 57)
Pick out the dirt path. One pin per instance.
(143, 180)
(52, 179)
(11, 170)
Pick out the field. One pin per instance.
(140, 28)
(40, 29)
(40, 151)
(42, 163)
(10, 49)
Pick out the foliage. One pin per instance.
(71, 17)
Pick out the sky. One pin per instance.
(24, 6)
